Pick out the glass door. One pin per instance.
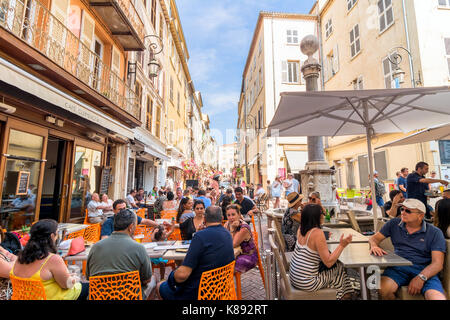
(85, 181)
(21, 178)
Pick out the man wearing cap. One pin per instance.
(291, 220)
(417, 241)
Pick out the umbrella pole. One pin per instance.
(371, 180)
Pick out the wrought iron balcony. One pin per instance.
(123, 20)
(33, 23)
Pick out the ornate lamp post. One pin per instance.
(154, 47)
(317, 175)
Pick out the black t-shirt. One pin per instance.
(246, 205)
(387, 206)
(187, 229)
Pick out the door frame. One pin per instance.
(31, 128)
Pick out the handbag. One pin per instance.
(237, 251)
(76, 246)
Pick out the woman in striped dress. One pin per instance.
(310, 250)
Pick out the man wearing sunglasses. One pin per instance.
(417, 241)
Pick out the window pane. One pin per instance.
(380, 7)
(442, 2)
(387, 3)
(358, 47)
(25, 144)
(447, 45)
(353, 50)
(382, 23)
(352, 38)
(389, 16)
(448, 62)
(357, 31)
(387, 82)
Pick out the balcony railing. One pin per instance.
(131, 13)
(33, 23)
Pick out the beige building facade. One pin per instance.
(358, 41)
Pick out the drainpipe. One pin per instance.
(408, 45)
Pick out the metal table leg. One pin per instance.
(363, 288)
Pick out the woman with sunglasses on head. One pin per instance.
(39, 261)
(193, 224)
(311, 251)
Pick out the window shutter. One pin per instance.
(325, 69)
(336, 59)
(115, 61)
(284, 71)
(60, 11)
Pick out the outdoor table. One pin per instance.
(72, 227)
(336, 233)
(337, 224)
(357, 255)
(172, 254)
(82, 256)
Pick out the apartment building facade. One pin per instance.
(273, 66)
(359, 40)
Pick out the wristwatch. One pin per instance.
(422, 276)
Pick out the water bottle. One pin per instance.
(327, 216)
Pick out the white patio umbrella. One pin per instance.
(353, 112)
(440, 132)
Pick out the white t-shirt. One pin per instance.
(109, 204)
(92, 209)
(130, 199)
(288, 182)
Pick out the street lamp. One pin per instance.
(154, 47)
(395, 59)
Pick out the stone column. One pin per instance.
(317, 175)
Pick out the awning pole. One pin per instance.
(371, 165)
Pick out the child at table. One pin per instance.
(161, 234)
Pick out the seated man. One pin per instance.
(446, 194)
(108, 225)
(202, 196)
(391, 207)
(418, 241)
(95, 210)
(210, 248)
(248, 207)
(120, 253)
(131, 199)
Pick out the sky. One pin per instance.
(218, 35)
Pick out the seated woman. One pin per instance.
(185, 210)
(442, 217)
(39, 261)
(311, 250)
(170, 203)
(243, 244)
(7, 260)
(192, 225)
(108, 203)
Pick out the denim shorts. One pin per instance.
(404, 274)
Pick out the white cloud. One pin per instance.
(220, 102)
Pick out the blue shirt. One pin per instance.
(402, 182)
(295, 185)
(210, 248)
(108, 226)
(206, 201)
(416, 247)
(416, 189)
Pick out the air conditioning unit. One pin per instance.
(6, 108)
(94, 136)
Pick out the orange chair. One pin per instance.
(121, 286)
(176, 235)
(27, 289)
(75, 234)
(142, 229)
(217, 284)
(141, 212)
(169, 214)
(260, 267)
(92, 233)
(86, 218)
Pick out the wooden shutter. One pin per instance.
(171, 131)
(115, 61)
(284, 71)
(60, 10)
(87, 38)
